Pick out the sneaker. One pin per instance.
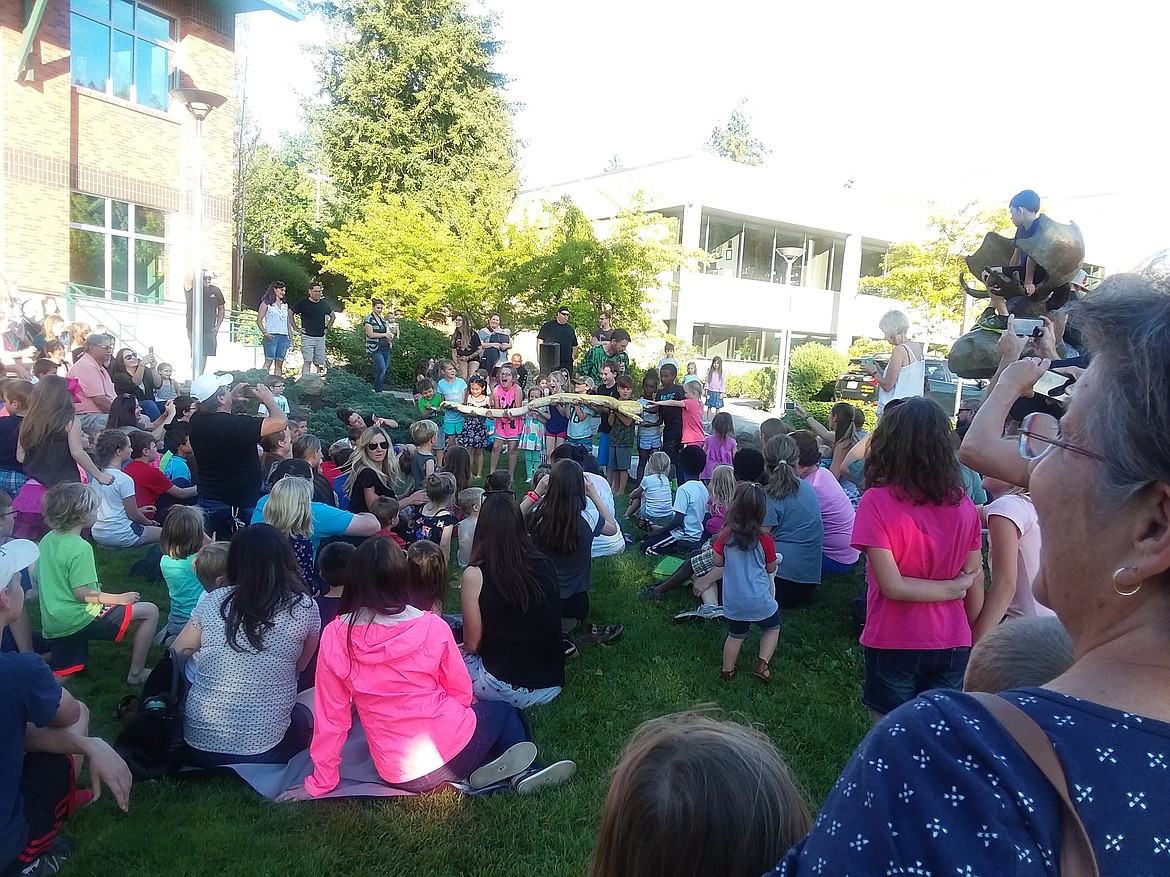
(52, 861)
(651, 594)
(709, 611)
(532, 781)
(602, 635)
(691, 616)
(517, 759)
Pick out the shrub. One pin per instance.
(757, 384)
(415, 342)
(260, 269)
(811, 367)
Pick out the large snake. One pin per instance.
(629, 407)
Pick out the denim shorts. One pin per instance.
(739, 629)
(276, 347)
(896, 676)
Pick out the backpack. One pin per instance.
(151, 743)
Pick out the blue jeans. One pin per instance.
(896, 676)
(498, 726)
(219, 518)
(381, 360)
(150, 409)
(603, 450)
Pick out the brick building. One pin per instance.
(97, 182)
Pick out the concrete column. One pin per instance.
(682, 322)
(843, 304)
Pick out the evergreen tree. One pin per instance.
(412, 103)
(736, 141)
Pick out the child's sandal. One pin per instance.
(728, 675)
(762, 671)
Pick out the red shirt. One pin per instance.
(149, 483)
(330, 471)
(386, 531)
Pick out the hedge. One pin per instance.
(415, 342)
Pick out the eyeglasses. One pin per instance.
(1040, 433)
(378, 446)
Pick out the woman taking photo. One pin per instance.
(1100, 481)
(253, 639)
(272, 320)
(137, 377)
(511, 611)
(127, 415)
(465, 347)
(905, 375)
(380, 334)
(50, 448)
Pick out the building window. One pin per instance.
(123, 48)
(117, 250)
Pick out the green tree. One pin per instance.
(735, 139)
(589, 273)
(926, 275)
(412, 103)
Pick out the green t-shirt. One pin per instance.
(182, 585)
(66, 563)
(597, 357)
(431, 408)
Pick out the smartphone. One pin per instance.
(1028, 328)
(789, 406)
(867, 360)
(150, 350)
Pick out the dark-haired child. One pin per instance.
(16, 396)
(747, 554)
(684, 532)
(719, 445)
(385, 509)
(428, 576)
(182, 537)
(150, 485)
(430, 407)
(671, 415)
(621, 437)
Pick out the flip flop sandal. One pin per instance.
(762, 671)
(126, 709)
(728, 675)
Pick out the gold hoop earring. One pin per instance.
(1118, 590)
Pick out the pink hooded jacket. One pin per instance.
(407, 679)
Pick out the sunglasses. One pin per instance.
(377, 446)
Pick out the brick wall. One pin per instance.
(56, 138)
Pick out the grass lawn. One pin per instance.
(220, 827)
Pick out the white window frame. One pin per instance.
(170, 46)
(108, 233)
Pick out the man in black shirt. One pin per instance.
(214, 308)
(224, 445)
(559, 331)
(316, 316)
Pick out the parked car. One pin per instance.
(857, 386)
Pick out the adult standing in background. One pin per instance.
(613, 351)
(604, 332)
(905, 375)
(272, 320)
(380, 334)
(95, 386)
(317, 316)
(224, 445)
(493, 341)
(559, 331)
(214, 308)
(465, 347)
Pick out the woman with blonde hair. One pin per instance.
(905, 374)
(373, 469)
(290, 510)
(50, 448)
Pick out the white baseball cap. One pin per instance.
(207, 385)
(15, 555)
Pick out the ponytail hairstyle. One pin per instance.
(109, 443)
(780, 458)
(745, 516)
(845, 427)
(428, 575)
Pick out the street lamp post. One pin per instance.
(200, 104)
(318, 177)
(789, 255)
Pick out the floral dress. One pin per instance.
(474, 433)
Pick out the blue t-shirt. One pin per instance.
(28, 693)
(176, 469)
(691, 500)
(799, 532)
(327, 521)
(452, 391)
(939, 787)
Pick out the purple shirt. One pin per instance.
(837, 514)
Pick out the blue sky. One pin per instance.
(935, 102)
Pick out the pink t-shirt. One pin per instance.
(692, 422)
(507, 427)
(836, 514)
(719, 453)
(1019, 510)
(928, 542)
(715, 381)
